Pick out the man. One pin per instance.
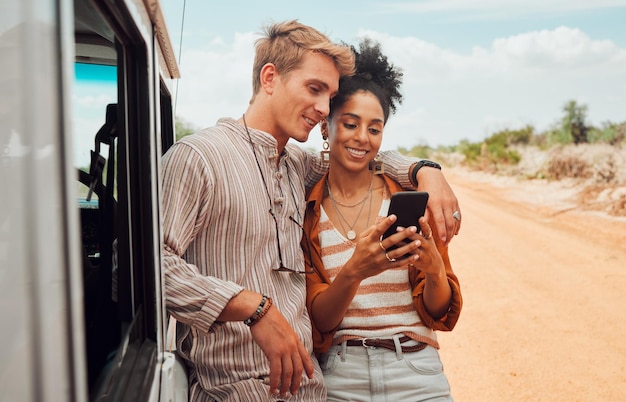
(233, 204)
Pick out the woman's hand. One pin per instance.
(373, 256)
(437, 292)
(429, 259)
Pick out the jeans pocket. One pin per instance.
(425, 362)
(328, 361)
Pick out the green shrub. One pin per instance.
(471, 150)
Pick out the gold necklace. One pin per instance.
(353, 205)
(351, 234)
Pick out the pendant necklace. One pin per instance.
(351, 234)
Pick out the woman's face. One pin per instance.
(355, 131)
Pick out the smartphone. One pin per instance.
(408, 206)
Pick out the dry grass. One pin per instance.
(597, 173)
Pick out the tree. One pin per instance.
(573, 121)
(183, 128)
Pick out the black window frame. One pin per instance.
(132, 371)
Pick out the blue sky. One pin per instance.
(94, 88)
(470, 67)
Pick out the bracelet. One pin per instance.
(420, 164)
(263, 308)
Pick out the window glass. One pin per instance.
(95, 86)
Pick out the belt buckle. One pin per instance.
(364, 343)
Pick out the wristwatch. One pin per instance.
(426, 162)
(421, 164)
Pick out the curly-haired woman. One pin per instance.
(374, 310)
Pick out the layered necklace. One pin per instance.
(350, 233)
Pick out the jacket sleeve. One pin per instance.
(418, 282)
(317, 281)
(315, 285)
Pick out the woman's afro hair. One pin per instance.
(373, 74)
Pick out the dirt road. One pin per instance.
(544, 316)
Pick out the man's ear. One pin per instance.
(268, 78)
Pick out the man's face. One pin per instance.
(302, 97)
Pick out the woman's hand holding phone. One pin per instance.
(408, 206)
(429, 261)
(374, 255)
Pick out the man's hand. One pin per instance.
(287, 355)
(442, 203)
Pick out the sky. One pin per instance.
(471, 67)
(95, 86)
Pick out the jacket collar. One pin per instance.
(316, 193)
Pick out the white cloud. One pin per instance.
(89, 113)
(520, 80)
(93, 102)
(449, 95)
(216, 80)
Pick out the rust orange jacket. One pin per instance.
(318, 281)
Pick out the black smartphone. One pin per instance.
(408, 206)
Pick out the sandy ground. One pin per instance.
(544, 288)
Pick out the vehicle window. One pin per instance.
(94, 116)
(95, 87)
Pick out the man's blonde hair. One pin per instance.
(285, 44)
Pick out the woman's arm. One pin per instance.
(369, 259)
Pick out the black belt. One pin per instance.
(386, 343)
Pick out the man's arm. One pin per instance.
(315, 168)
(442, 203)
(192, 298)
(288, 357)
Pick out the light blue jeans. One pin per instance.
(357, 373)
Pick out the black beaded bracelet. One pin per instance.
(260, 311)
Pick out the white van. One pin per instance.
(86, 113)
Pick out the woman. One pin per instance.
(374, 311)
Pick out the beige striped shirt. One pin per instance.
(383, 304)
(220, 238)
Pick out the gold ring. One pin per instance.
(380, 243)
(427, 236)
(388, 258)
